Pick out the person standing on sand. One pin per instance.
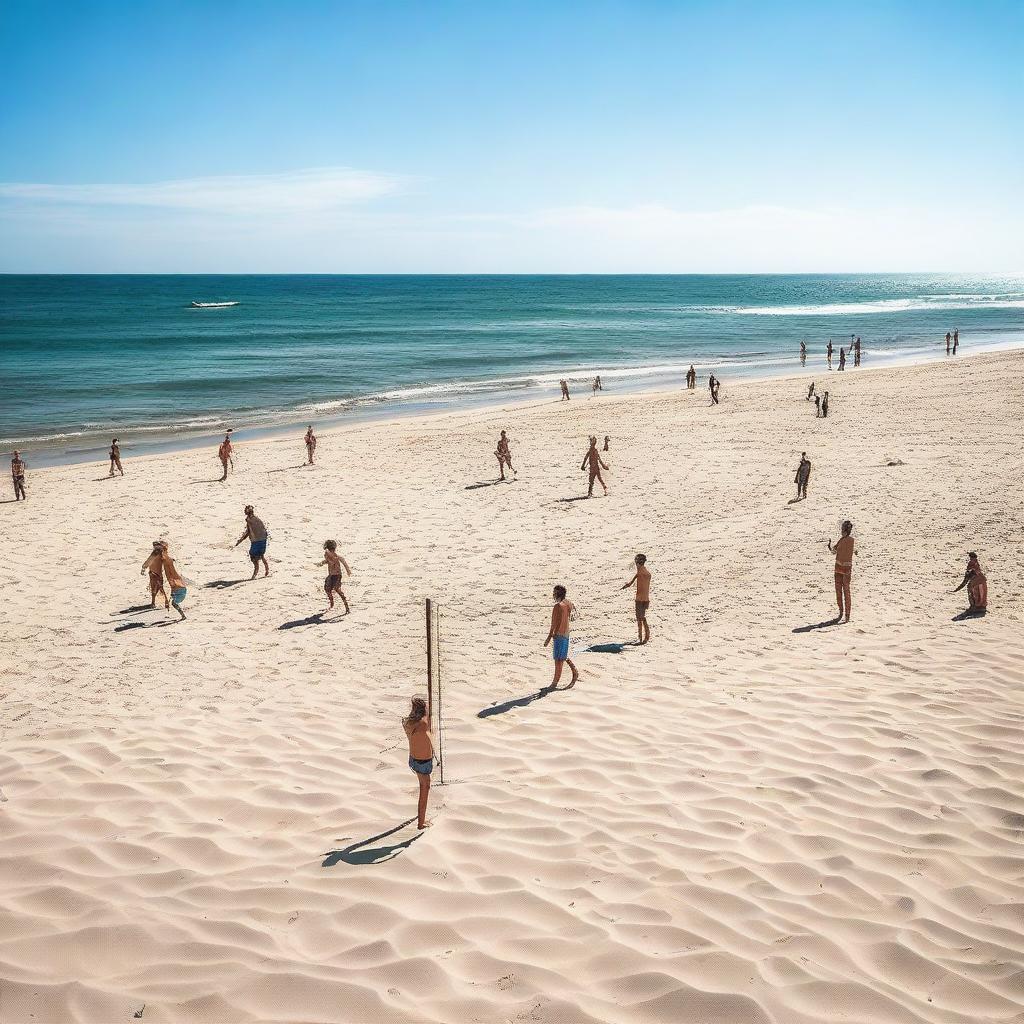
(824, 406)
(115, 458)
(335, 563)
(256, 533)
(417, 726)
(504, 455)
(828, 352)
(691, 378)
(844, 552)
(856, 352)
(803, 475)
(154, 566)
(606, 440)
(842, 359)
(977, 586)
(817, 407)
(18, 468)
(803, 353)
(565, 390)
(810, 392)
(642, 579)
(224, 454)
(310, 441)
(593, 462)
(561, 614)
(174, 579)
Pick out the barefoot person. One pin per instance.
(224, 453)
(803, 474)
(115, 458)
(824, 406)
(842, 359)
(565, 390)
(18, 468)
(174, 579)
(977, 586)
(504, 455)
(642, 579)
(310, 440)
(256, 533)
(691, 378)
(606, 440)
(559, 634)
(810, 392)
(844, 552)
(593, 463)
(155, 567)
(421, 751)
(335, 563)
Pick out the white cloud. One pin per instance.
(317, 188)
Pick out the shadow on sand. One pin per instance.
(487, 483)
(222, 584)
(312, 620)
(969, 613)
(818, 625)
(291, 469)
(146, 625)
(567, 501)
(358, 853)
(137, 608)
(516, 702)
(609, 648)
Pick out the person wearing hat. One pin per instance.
(256, 534)
(18, 475)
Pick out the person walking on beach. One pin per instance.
(948, 338)
(642, 579)
(18, 468)
(803, 475)
(256, 533)
(155, 567)
(842, 359)
(713, 385)
(561, 615)
(174, 579)
(504, 455)
(593, 463)
(824, 406)
(977, 586)
(817, 407)
(417, 726)
(310, 440)
(828, 352)
(810, 392)
(856, 352)
(803, 353)
(225, 456)
(565, 390)
(606, 440)
(115, 458)
(335, 563)
(844, 552)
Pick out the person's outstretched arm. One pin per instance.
(964, 581)
(244, 535)
(626, 586)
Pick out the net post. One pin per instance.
(440, 720)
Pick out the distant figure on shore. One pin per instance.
(691, 377)
(565, 390)
(504, 455)
(856, 352)
(606, 440)
(561, 615)
(174, 579)
(642, 579)
(115, 458)
(956, 341)
(803, 353)
(824, 406)
(598, 386)
(224, 453)
(828, 352)
(817, 406)
(18, 468)
(803, 475)
(842, 359)
(154, 565)
(335, 563)
(593, 463)
(310, 442)
(977, 586)
(810, 392)
(417, 726)
(949, 338)
(256, 533)
(713, 385)
(844, 552)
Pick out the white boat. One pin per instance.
(212, 305)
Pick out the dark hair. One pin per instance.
(972, 554)
(560, 592)
(641, 559)
(417, 711)
(847, 526)
(330, 544)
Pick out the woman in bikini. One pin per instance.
(421, 751)
(154, 566)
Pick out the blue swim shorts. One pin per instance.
(178, 594)
(421, 767)
(561, 648)
(257, 549)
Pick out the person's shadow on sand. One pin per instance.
(516, 702)
(223, 584)
(312, 620)
(146, 625)
(969, 613)
(818, 625)
(358, 853)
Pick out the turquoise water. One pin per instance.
(85, 357)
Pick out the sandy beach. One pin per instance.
(746, 821)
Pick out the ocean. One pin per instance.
(84, 358)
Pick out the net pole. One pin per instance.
(440, 720)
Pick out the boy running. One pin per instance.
(593, 462)
(334, 563)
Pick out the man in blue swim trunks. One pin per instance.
(559, 633)
(256, 534)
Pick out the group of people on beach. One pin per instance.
(853, 348)
(820, 402)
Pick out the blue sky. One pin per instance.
(492, 137)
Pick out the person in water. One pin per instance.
(828, 352)
(18, 468)
(844, 551)
(803, 474)
(310, 440)
(593, 463)
(335, 563)
(948, 338)
(115, 458)
(256, 533)
(504, 455)
(642, 579)
(558, 634)
(977, 586)
(856, 351)
(417, 725)
(803, 353)
(154, 565)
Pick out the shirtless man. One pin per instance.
(948, 338)
(642, 579)
(803, 474)
(174, 579)
(417, 726)
(504, 455)
(335, 563)
(310, 440)
(559, 633)
(824, 406)
(844, 552)
(803, 353)
(18, 468)
(817, 406)
(256, 533)
(115, 458)
(810, 391)
(565, 390)
(224, 454)
(856, 351)
(593, 462)
(154, 566)
(828, 352)
(956, 340)
(842, 359)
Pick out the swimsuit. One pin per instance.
(332, 582)
(421, 767)
(258, 548)
(561, 648)
(641, 609)
(178, 594)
